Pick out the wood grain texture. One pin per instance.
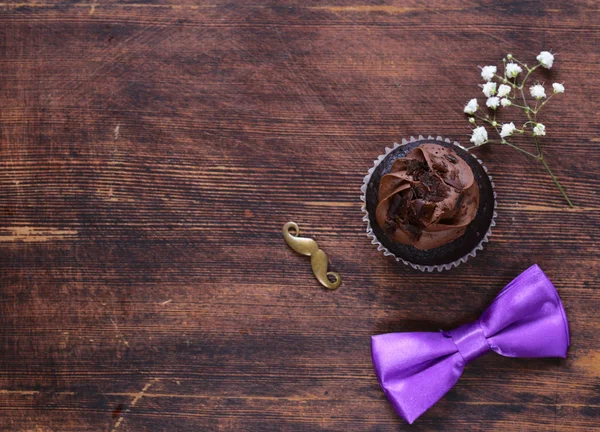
(151, 151)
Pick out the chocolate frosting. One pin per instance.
(428, 198)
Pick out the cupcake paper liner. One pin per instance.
(386, 252)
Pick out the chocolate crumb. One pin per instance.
(436, 189)
(440, 167)
(416, 168)
(450, 158)
(419, 190)
(394, 205)
(459, 200)
(426, 211)
(414, 230)
(452, 182)
(390, 225)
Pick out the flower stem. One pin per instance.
(501, 79)
(537, 109)
(528, 72)
(562, 191)
(520, 62)
(543, 161)
(487, 142)
(519, 106)
(525, 103)
(520, 149)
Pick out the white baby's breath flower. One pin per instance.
(471, 107)
(513, 69)
(546, 59)
(505, 102)
(558, 88)
(539, 130)
(493, 102)
(507, 129)
(479, 136)
(489, 89)
(537, 91)
(487, 72)
(472, 120)
(503, 90)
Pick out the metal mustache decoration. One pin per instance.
(318, 258)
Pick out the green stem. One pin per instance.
(485, 119)
(519, 106)
(543, 103)
(527, 109)
(543, 161)
(520, 62)
(504, 80)
(562, 191)
(502, 141)
(536, 139)
(523, 85)
(529, 73)
(481, 118)
(487, 142)
(520, 149)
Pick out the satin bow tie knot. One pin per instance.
(527, 319)
(470, 341)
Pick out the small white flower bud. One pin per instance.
(493, 102)
(537, 91)
(489, 89)
(487, 72)
(479, 136)
(507, 129)
(471, 107)
(539, 130)
(558, 88)
(504, 90)
(546, 59)
(512, 70)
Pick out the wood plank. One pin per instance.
(151, 151)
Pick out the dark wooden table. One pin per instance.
(152, 151)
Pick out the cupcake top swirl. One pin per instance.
(428, 198)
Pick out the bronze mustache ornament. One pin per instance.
(318, 258)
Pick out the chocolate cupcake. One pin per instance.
(429, 203)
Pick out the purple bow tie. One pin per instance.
(527, 319)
